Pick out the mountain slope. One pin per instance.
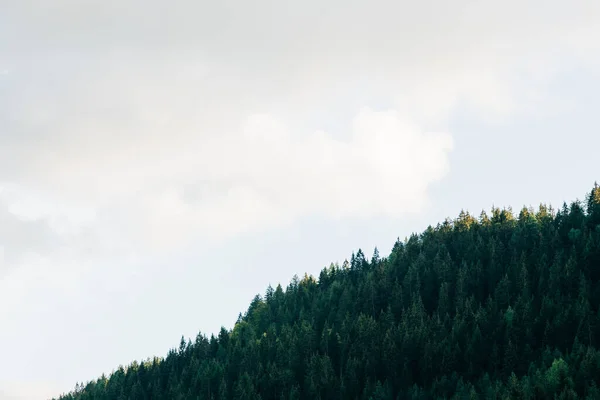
(494, 307)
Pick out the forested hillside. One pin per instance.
(495, 306)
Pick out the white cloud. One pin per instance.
(206, 118)
(262, 177)
(267, 176)
(203, 120)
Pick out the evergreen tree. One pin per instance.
(498, 307)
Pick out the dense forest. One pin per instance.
(495, 306)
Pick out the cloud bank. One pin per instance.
(212, 119)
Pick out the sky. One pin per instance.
(163, 162)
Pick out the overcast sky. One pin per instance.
(163, 162)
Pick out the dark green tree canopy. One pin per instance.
(496, 307)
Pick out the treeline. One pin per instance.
(498, 306)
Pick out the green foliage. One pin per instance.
(497, 307)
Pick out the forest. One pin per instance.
(501, 305)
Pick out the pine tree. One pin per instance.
(490, 308)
